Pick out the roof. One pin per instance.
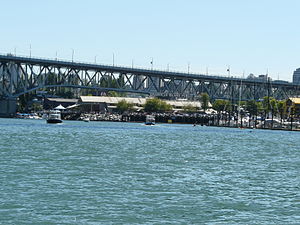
(111, 100)
(181, 104)
(73, 100)
(135, 101)
(295, 100)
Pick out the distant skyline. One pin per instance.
(192, 35)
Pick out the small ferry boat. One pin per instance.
(54, 117)
(150, 120)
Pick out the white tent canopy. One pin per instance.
(60, 107)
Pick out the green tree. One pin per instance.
(220, 105)
(156, 105)
(115, 94)
(273, 106)
(112, 94)
(267, 104)
(123, 106)
(36, 107)
(204, 101)
(164, 106)
(189, 108)
(281, 108)
(252, 107)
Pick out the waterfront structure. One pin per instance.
(293, 106)
(36, 74)
(109, 104)
(296, 76)
(50, 103)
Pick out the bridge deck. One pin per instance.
(149, 72)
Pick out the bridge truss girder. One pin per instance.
(20, 75)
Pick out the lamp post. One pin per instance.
(151, 63)
(228, 70)
(72, 54)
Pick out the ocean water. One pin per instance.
(129, 173)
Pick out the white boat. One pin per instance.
(45, 116)
(86, 119)
(54, 117)
(150, 120)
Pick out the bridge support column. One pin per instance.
(8, 107)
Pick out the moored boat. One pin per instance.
(150, 120)
(86, 119)
(54, 117)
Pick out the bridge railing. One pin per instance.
(119, 66)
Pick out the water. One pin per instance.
(128, 173)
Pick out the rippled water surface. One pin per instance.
(128, 173)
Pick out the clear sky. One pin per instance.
(251, 36)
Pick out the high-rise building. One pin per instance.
(296, 76)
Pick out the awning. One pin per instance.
(72, 106)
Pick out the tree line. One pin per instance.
(266, 107)
(159, 105)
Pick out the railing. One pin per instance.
(150, 70)
(119, 66)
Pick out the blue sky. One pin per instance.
(250, 36)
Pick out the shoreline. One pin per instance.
(196, 119)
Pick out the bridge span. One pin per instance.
(20, 75)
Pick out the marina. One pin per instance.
(150, 113)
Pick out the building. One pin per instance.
(51, 103)
(109, 104)
(261, 77)
(293, 106)
(296, 76)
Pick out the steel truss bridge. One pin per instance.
(20, 75)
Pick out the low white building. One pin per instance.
(105, 103)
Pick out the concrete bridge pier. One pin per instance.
(8, 107)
